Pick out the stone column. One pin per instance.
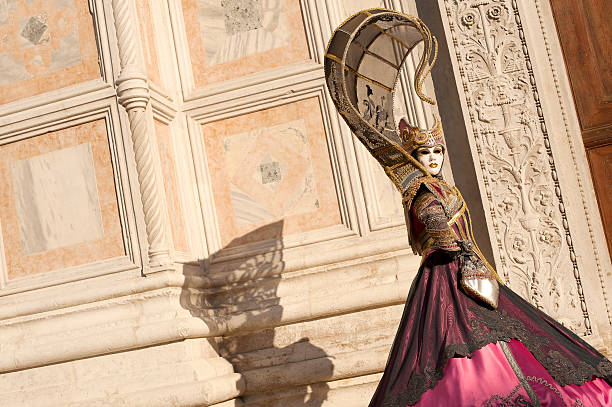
(133, 92)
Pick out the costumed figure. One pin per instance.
(465, 339)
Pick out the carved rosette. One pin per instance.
(133, 93)
(536, 253)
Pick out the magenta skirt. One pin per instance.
(451, 351)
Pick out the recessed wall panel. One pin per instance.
(58, 205)
(268, 166)
(45, 45)
(233, 38)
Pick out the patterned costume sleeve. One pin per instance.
(437, 233)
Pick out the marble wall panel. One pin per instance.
(58, 205)
(148, 40)
(383, 200)
(168, 163)
(233, 38)
(45, 45)
(56, 199)
(271, 165)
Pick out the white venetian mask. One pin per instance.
(432, 158)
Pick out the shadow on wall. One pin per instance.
(280, 367)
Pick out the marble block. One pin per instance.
(56, 199)
(45, 45)
(268, 166)
(233, 29)
(234, 38)
(272, 177)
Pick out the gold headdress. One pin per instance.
(362, 63)
(414, 137)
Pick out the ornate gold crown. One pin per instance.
(414, 137)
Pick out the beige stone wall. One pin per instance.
(186, 221)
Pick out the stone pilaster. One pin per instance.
(133, 93)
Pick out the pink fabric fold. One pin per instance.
(594, 393)
(428, 365)
(484, 379)
(487, 379)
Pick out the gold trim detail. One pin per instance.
(421, 74)
(375, 55)
(457, 215)
(519, 373)
(393, 37)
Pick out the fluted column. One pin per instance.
(133, 92)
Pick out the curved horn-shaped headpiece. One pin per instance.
(362, 64)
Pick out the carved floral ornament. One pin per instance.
(514, 153)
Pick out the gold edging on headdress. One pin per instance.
(415, 137)
(398, 164)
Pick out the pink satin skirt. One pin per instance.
(488, 379)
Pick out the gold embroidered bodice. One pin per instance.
(438, 219)
(435, 209)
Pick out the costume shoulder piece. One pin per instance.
(440, 220)
(446, 194)
(362, 63)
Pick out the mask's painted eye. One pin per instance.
(423, 152)
(437, 151)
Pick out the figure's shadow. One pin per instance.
(279, 368)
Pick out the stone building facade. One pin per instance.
(186, 221)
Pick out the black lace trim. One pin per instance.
(418, 384)
(490, 326)
(511, 400)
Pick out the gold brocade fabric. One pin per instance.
(439, 220)
(437, 234)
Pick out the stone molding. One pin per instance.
(181, 304)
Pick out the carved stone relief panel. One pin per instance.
(536, 252)
(45, 45)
